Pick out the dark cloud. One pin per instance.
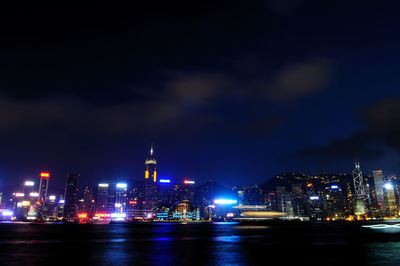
(383, 119)
(182, 97)
(382, 122)
(361, 145)
(196, 89)
(157, 110)
(300, 80)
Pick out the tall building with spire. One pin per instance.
(151, 189)
(150, 173)
(359, 190)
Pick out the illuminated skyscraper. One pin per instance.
(88, 199)
(379, 181)
(43, 186)
(71, 195)
(333, 202)
(150, 164)
(359, 190)
(121, 195)
(165, 192)
(390, 200)
(111, 193)
(28, 187)
(102, 198)
(42, 196)
(151, 190)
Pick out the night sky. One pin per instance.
(234, 91)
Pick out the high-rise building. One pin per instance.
(299, 208)
(121, 195)
(379, 182)
(102, 198)
(134, 201)
(43, 186)
(280, 198)
(151, 167)
(334, 202)
(390, 200)
(111, 193)
(359, 190)
(88, 202)
(287, 204)
(151, 189)
(71, 196)
(28, 188)
(42, 196)
(165, 192)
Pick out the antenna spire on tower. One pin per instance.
(151, 150)
(359, 190)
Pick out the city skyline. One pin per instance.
(59, 182)
(302, 197)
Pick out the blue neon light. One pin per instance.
(225, 201)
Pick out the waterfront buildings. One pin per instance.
(323, 197)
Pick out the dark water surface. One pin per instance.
(197, 244)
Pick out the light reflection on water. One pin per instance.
(230, 239)
(251, 227)
(384, 253)
(200, 244)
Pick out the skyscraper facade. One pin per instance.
(71, 195)
(379, 189)
(121, 196)
(111, 193)
(359, 190)
(88, 200)
(43, 186)
(102, 197)
(42, 197)
(390, 200)
(151, 189)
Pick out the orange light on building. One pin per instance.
(155, 176)
(309, 185)
(133, 202)
(45, 174)
(37, 202)
(82, 215)
(146, 174)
